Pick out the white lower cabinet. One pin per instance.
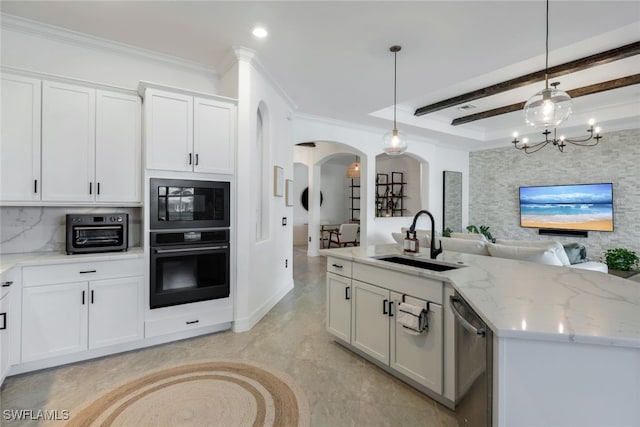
(420, 357)
(339, 306)
(65, 318)
(370, 320)
(364, 315)
(5, 320)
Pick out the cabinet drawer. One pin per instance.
(339, 266)
(9, 279)
(81, 271)
(420, 287)
(185, 322)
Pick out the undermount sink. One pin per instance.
(418, 263)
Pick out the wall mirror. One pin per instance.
(452, 201)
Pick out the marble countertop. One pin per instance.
(8, 261)
(519, 299)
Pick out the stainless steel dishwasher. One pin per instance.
(474, 366)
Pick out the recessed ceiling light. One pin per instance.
(260, 32)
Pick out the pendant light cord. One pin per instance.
(546, 63)
(395, 74)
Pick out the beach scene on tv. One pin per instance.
(568, 207)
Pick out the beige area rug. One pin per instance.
(218, 393)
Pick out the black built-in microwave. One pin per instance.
(178, 203)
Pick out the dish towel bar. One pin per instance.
(413, 319)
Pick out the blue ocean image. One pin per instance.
(585, 207)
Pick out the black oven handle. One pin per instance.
(99, 227)
(208, 248)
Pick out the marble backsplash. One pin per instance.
(42, 229)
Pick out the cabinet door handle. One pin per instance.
(384, 306)
(7, 284)
(347, 292)
(91, 296)
(190, 158)
(390, 308)
(82, 297)
(88, 271)
(4, 321)
(35, 185)
(192, 322)
(197, 159)
(98, 185)
(91, 188)
(337, 265)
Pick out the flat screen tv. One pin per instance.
(568, 207)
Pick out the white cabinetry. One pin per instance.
(7, 320)
(188, 132)
(339, 306)
(74, 307)
(420, 357)
(370, 318)
(87, 156)
(362, 306)
(69, 143)
(20, 141)
(118, 175)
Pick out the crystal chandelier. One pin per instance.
(548, 109)
(394, 142)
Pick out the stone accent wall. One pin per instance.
(495, 176)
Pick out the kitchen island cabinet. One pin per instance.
(362, 304)
(566, 346)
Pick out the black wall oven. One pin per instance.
(177, 203)
(188, 266)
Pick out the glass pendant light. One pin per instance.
(549, 107)
(394, 142)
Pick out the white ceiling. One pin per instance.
(333, 59)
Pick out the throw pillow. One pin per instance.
(469, 236)
(476, 247)
(576, 253)
(523, 253)
(553, 245)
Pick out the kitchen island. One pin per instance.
(566, 341)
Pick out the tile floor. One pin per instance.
(342, 388)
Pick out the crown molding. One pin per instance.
(241, 53)
(39, 29)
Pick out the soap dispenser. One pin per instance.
(407, 243)
(416, 243)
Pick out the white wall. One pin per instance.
(364, 141)
(46, 49)
(263, 277)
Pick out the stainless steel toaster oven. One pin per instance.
(91, 233)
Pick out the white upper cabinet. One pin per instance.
(68, 142)
(169, 130)
(189, 133)
(213, 136)
(20, 140)
(118, 147)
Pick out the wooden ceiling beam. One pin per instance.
(574, 93)
(559, 70)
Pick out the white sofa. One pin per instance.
(541, 251)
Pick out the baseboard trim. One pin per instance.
(245, 324)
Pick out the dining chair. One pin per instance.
(345, 235)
